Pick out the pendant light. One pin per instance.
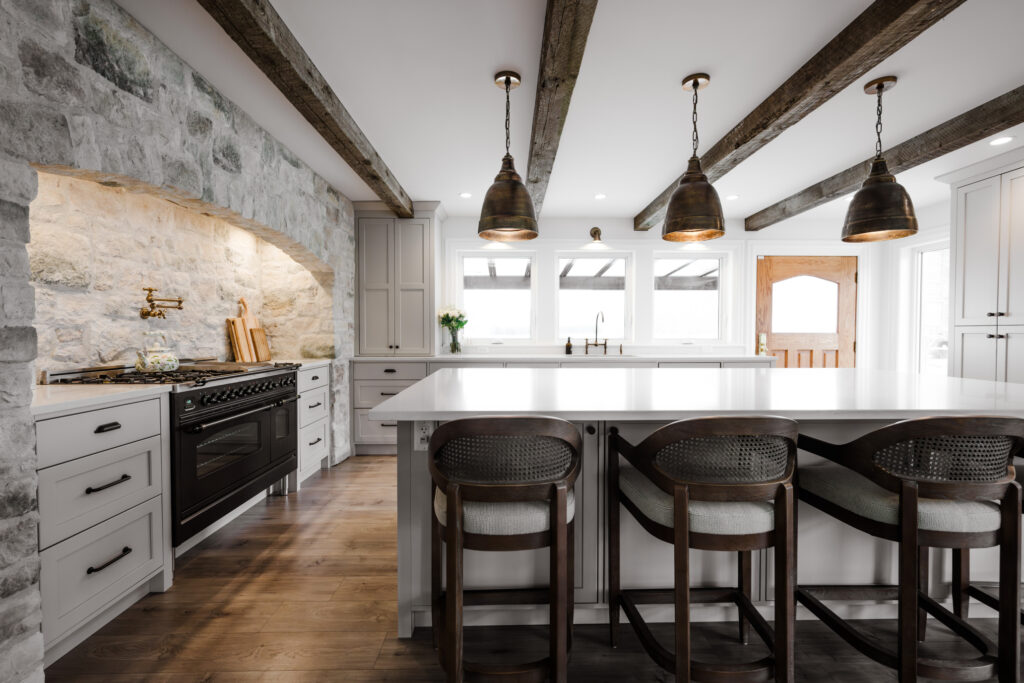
(507, 214)
(881, 209)
(694, 211)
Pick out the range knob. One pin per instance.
(204, 399)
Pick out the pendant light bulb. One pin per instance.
(507, 214)
(881, 209)
(694, 211)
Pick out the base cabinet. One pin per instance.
(314, 386)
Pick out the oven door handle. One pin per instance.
(293, 399)
(203, 426)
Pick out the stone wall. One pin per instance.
(93, 248)
(85, 90)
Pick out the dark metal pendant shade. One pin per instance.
(881, 209)
(694, 211)
(507, 214)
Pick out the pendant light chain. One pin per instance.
(508, 88)
(878, 124)
(696, 139)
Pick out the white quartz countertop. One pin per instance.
(562, 358)
(662, 394)
(48, 399)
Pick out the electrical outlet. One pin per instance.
(421, 432)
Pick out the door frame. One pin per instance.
(817, 247)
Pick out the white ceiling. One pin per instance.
(416, 76)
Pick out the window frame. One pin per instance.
(458, 289)
(628, 328)
(917, 252)
(724, 280)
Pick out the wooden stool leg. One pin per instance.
(1009, 586)
(435, 580)
(681, 551)
(744, 583)
(453, 594)
(613, 548)
(908, 578)
(961, 580)
(571, 573)
(785, 570)
(922, 581)
(559, 588)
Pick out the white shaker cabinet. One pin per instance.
(988, 271)
(395, 264)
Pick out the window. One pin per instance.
(686, 298)
(497, 296)
(805, 304)
(587, 286)
(933, 311)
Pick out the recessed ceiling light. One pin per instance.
(600, 195)
(731, 197)
(1001, 141)
(465, 195)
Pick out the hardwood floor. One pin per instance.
(302, 588)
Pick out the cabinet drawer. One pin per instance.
(314, 377)
(444, 365)
(65, 438)
(85, 573)
(389, 370)
(312, 445)
(374, 431)
(369, 394)
(313, 405)
(75, 495)
(690, 364)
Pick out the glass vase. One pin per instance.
(454, 345)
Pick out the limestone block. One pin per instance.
(17, 344)
(36, 133)
(17, 497)
(18, 304)
(18, 540)
(15, 391)
(23, 659)
(48, 72)
(112, 54)
(17, 181)
(60, 258)
(13, 221)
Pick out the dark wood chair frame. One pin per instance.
(447, 602)
(911, 592)
(779, 492)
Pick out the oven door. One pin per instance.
(220, 453)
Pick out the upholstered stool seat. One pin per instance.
(706, 517)
(502, 519)
(851, 491)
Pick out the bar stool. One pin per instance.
(712, 484)
(924, 483)
(500, 484)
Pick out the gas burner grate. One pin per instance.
(175, 377)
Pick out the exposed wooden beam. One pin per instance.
(257, 28)
(879, 31)
(566, 26)
(991, 117)
(604, 268)
(568, 267)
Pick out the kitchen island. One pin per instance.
(837, 405)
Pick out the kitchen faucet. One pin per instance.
(598, 317)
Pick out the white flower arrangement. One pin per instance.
(451, 317)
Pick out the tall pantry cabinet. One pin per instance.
(395, 276)
(988, 270)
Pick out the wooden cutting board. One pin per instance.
(260, 344)
(239, 340)
(249, 323)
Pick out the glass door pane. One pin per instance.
(933, 304)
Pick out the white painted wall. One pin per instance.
(884, 306)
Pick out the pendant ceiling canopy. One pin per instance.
(694, 211)
(507, 214)
(881, 209)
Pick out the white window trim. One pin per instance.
(454, 289)
(913, 362)
(630, 292)
(725, 293)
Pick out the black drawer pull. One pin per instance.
(315, 377)
(388, 424)
(390, 371)
(95, 489)
(318, 440)
(316, 405)
(109, 427)
(125, 552)
(997, 314)
(995, 336)
(389, 393)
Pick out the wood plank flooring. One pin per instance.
(302, 588)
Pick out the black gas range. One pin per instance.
(234, 432)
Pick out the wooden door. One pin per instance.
(414, 322)
(807, 309)
(976, 209)
(376, 295)
(1011, 250)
